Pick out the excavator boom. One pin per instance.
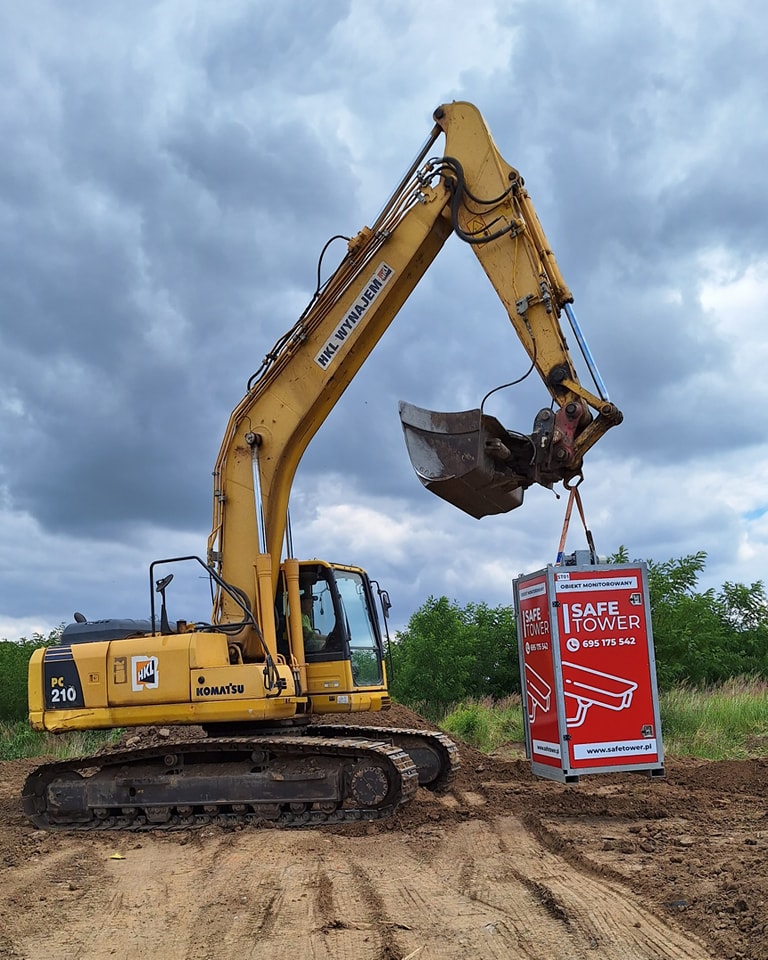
(469, 191)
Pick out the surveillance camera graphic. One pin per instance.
(593, 688)
(538, 693)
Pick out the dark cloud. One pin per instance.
(139, 253)
(168, 182)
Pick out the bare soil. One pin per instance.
(501, 865)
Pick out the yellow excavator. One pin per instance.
(289, 640)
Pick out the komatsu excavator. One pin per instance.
(287, 639)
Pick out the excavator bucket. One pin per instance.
(450, 454)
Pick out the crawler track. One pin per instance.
(436, 756)
(288, 781)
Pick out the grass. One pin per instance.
(18, 740)
(487, 724)
(729, 722)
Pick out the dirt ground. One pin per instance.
(502, 865)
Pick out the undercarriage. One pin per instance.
(335, 775)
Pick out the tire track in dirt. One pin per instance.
(512, 897)
(454, 875)
(485, 889)
(600, 910)
(356, 924)
(49, 881)
(128, 906)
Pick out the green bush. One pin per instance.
(14, 660)
(704, 637)
(471, 722)
(449, 653)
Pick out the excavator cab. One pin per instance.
(340, 637)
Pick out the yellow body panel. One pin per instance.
(145, 670)
(208, 650)
(329, 677)
(181, 678)
(365, 702)
(205, 711)
(331, 690)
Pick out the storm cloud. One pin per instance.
(170, 174)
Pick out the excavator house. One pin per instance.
(288, 641)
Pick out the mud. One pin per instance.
(501, 865)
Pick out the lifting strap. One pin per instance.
(575, 497)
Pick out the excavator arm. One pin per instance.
(469, 191)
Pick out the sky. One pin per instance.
(170, 173)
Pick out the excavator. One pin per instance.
(292, 642)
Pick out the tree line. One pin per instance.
(448, 652)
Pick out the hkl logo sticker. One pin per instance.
(144, 673)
